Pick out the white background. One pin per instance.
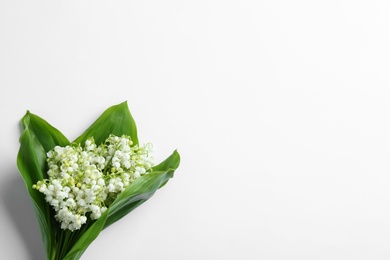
(280, 110)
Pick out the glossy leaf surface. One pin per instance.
(116, 120)
(36, 139)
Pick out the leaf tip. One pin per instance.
(25, 121)
(124, 104)
(176, 155)
(27, 114)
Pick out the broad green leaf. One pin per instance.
(36, 139)
(29, 157)
(143, 188)
(47, 135)
(86, 238)
(133, 196)
(116, 120)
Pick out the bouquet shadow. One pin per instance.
(19, 208)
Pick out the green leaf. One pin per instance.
(86, 238)
(47, 135)
(36, 139)
(116, 120)
(143, 188)
(133, 196)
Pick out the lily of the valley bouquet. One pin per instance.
(80, 188)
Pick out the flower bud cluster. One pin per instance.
(83, 181)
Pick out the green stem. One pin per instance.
(59, 245)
